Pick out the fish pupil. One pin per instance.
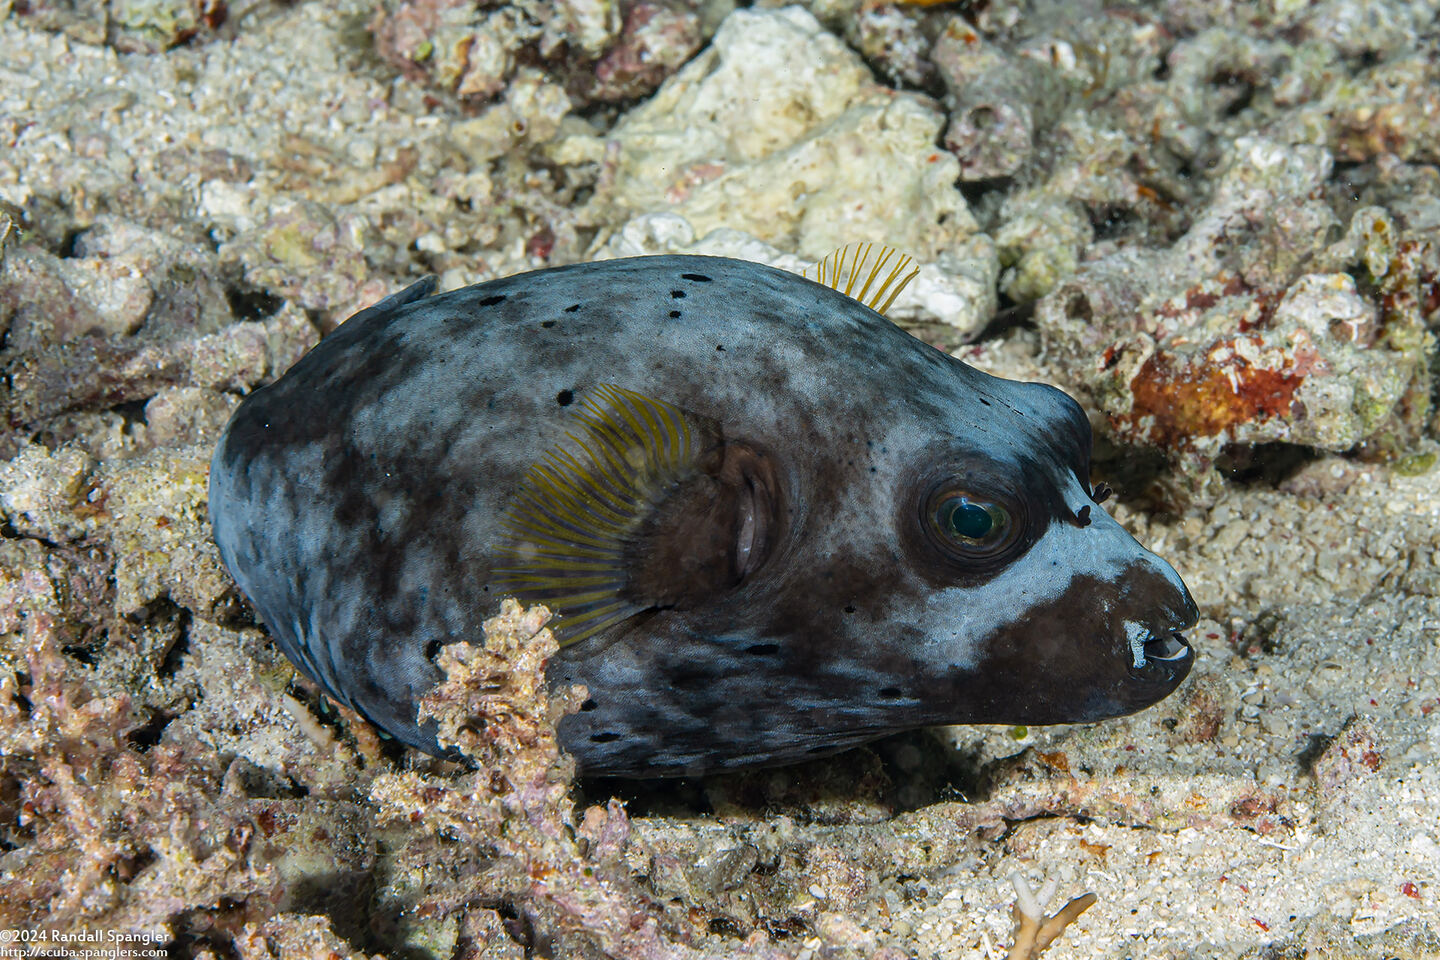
(964, 518)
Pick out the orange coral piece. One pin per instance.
(1205, 400)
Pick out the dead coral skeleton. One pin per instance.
(1034, 931)
(112, 835)
(569, 881)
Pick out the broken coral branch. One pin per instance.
(1034, 932)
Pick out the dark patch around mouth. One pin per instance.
(1050, 666)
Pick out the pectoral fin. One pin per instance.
(643, 506)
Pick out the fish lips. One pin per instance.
(1106, 647)
(1159, 656)
(1165, 662)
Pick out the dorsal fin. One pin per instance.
(584, 501)
(880, 271)
(418, 290)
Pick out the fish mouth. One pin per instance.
(1162, 654)
(1168, 647)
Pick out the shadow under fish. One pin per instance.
(771, 523)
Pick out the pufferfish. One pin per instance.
(770, 523)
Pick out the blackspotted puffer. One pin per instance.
(771, 523)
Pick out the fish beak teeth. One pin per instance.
(1167, 647)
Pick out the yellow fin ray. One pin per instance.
(577, 507)
(881, 272)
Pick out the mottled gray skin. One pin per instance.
(358, 502)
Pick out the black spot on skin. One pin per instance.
(432, 649)
(565, 397)
(763, 649)
(677, 294)
(849, 609)
(491, 301)
(891, 693)
(720, 347)
(606, 737)
(547, 324)
(674, 314)
(588, 705)
(983, 400)
(697, 277)
(572, 308)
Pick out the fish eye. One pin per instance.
(965, 523)
(970, 521)
(976, 527)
